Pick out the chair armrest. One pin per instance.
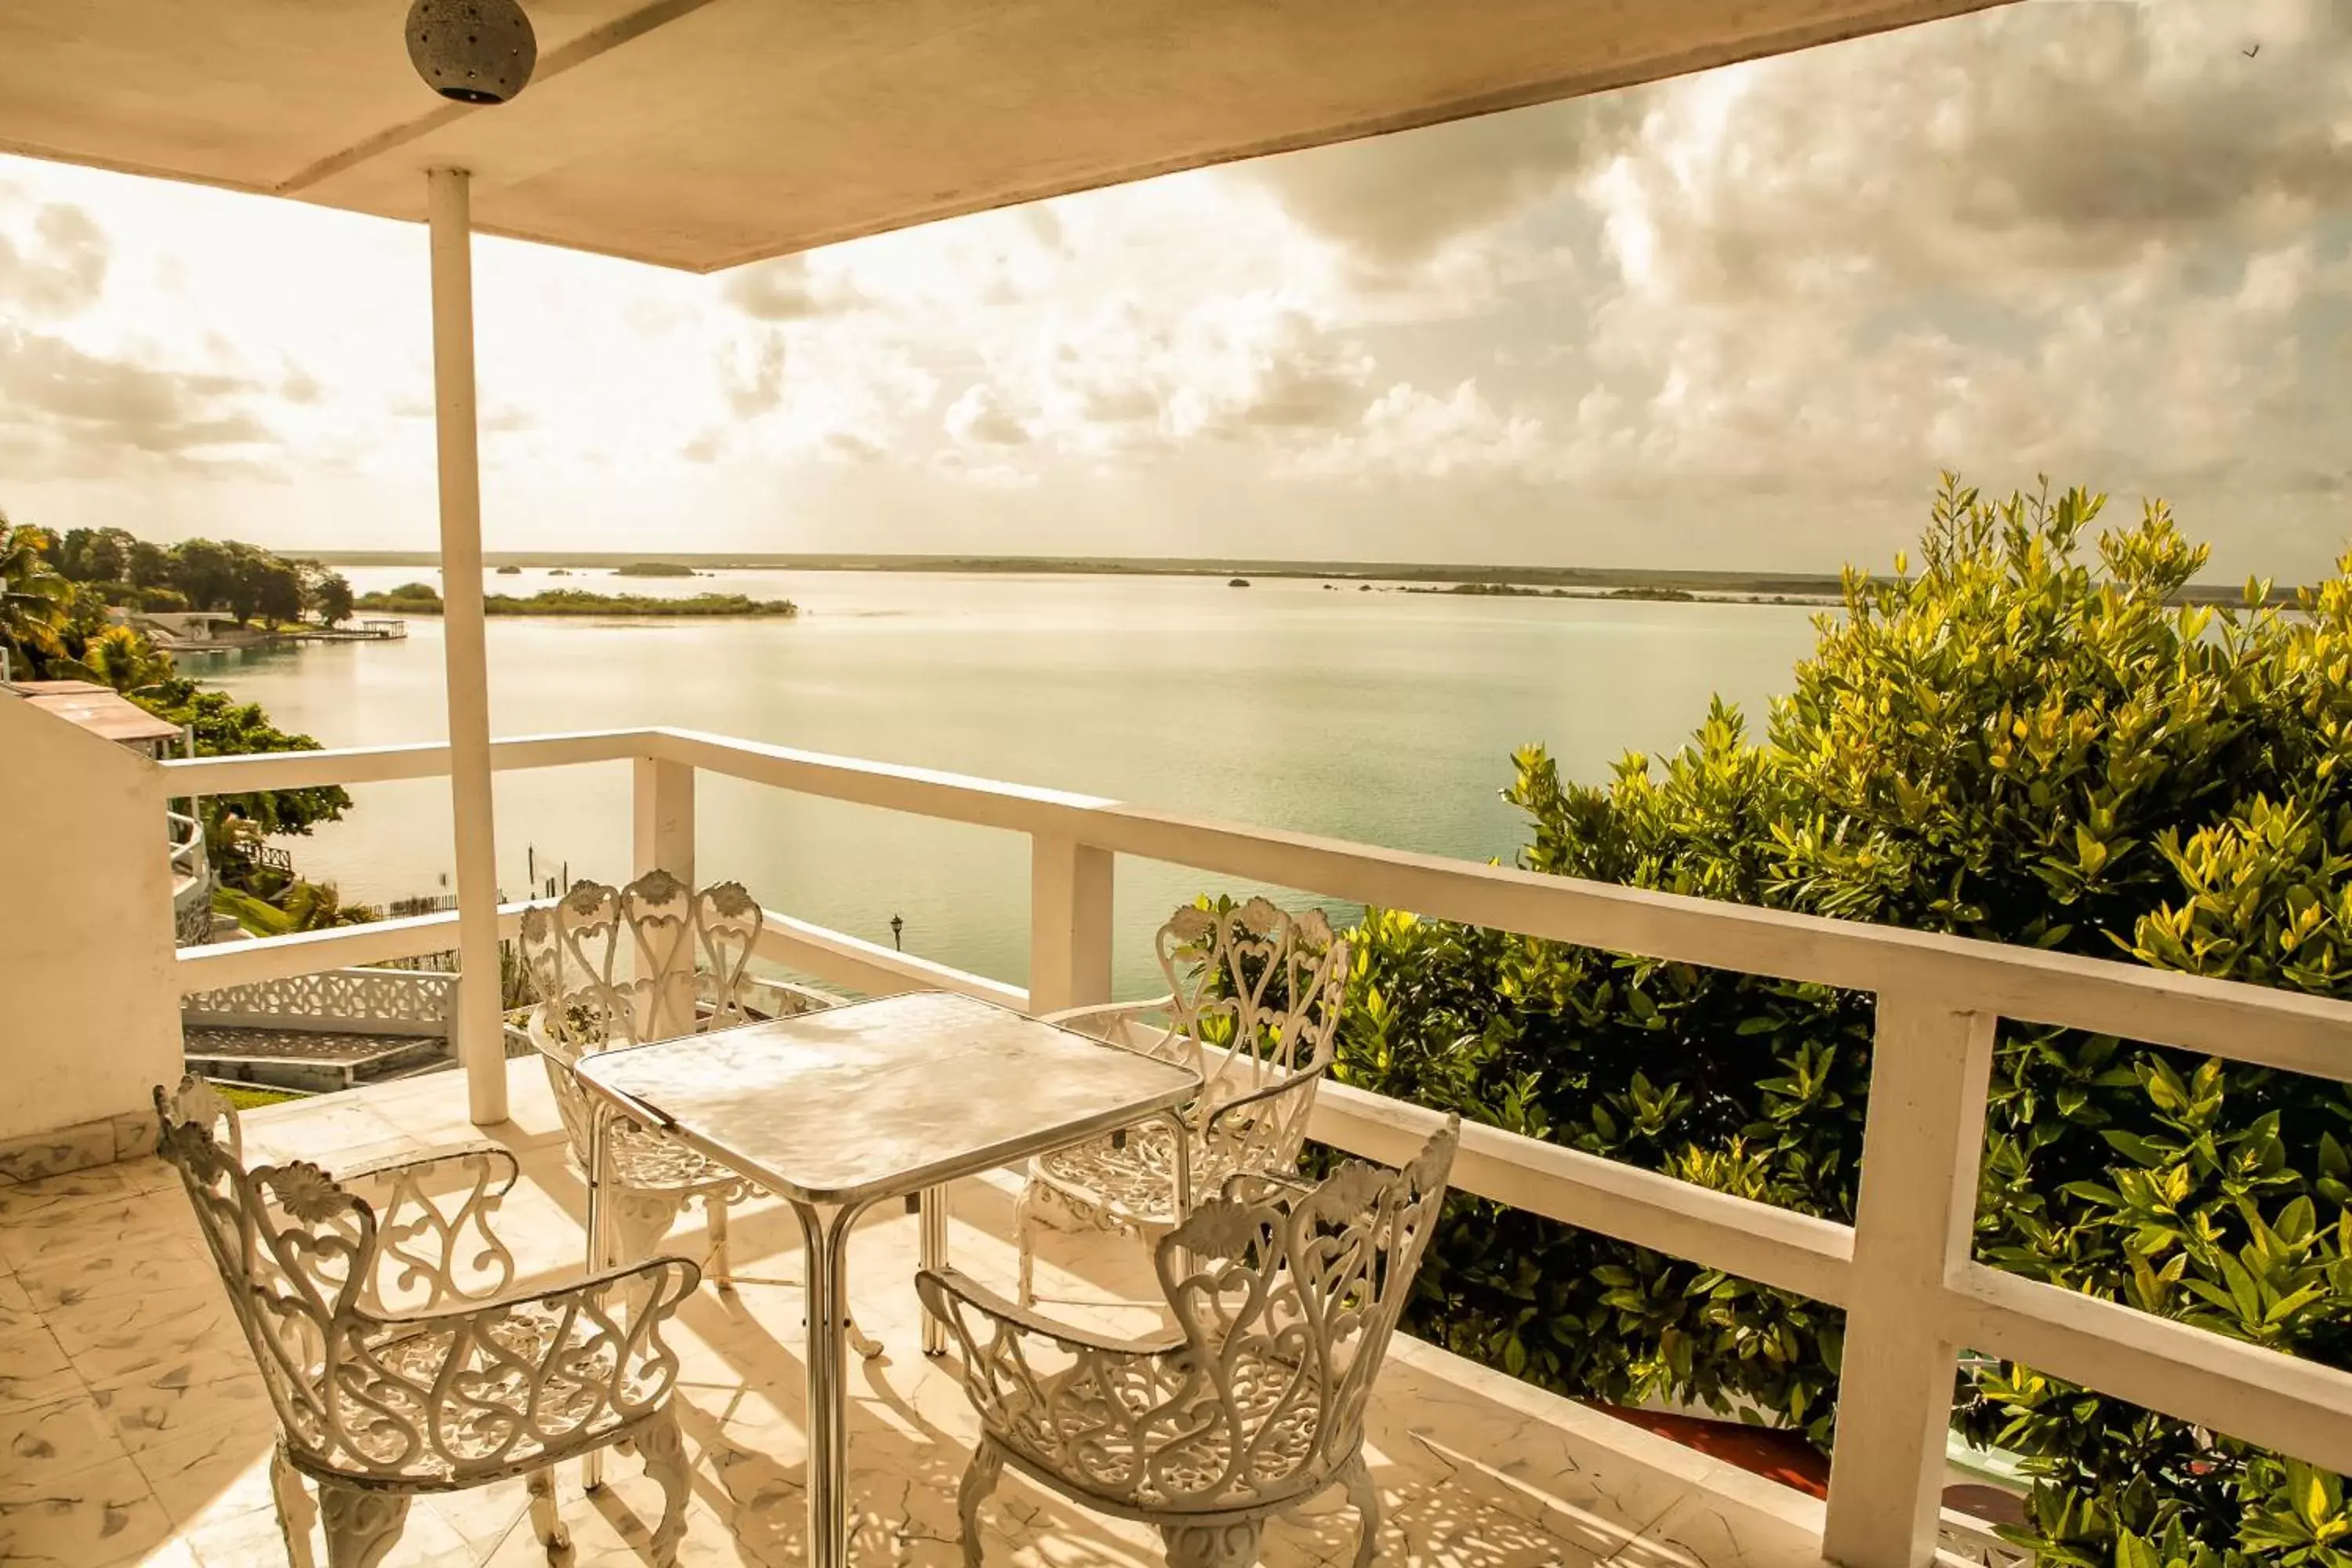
(813, 999)
(431, 1159)
(1259, 1098)
(1095, 1019)
(947, 1293)
(1264, 1187)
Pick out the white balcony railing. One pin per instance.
(1912, 1293)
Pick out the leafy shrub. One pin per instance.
(2027, 743)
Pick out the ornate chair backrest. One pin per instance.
(1267, 988)
(648, 961)
(296, 1253)
(626, 966)
(1288, 1300)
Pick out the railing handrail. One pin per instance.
(187, 836)
(2300, 1033)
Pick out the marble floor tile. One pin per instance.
(91, 1519)
(42, 1442)
(1700, 1532)
(25, 1199)
(329, 1131)
(212, 1474)
(249, 1538)
(112, 1338)
(118, 1226)
(34, 1370)
(148, 1174)
(16, 1311)
(63, 1280)
(211, 1391)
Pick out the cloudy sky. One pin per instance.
(1736, 320)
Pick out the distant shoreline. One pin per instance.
(1695, 580)
(1599, 582)
(574, 601)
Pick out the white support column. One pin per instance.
(663, 807)
(482, 1043)
(1069, 923)
(1931, 1069)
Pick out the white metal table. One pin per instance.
(838, 1110)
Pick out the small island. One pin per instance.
(653, 569)
(1238, 583)
(423, 599)
(509, 570)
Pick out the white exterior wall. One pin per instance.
(91, 1021)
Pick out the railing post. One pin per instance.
(481, 1031)
(663, 812)
(1069, 922)
(1930, 1071)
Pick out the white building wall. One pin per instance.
(89, 995)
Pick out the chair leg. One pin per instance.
(980, 1478)
(295, 1512)
(363, 1526)
(1211, 1545)
(1366, 1497)
(641, 1219)
(714, 1214)
(1024, 1229)
(663, 1448)
(544, 1523)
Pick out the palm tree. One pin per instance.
(318, 905)
(32, 595)
(120, 657)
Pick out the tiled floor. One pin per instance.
(135, 1429)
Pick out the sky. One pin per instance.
(1738, 320)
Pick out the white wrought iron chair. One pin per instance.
(398, 1357)
(623, 967)
(1254, 1004)
(1284, 1297)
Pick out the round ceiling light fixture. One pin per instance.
(475, 51)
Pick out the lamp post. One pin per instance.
(897, 925)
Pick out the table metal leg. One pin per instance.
(591, 1464)
(1183, 1155)
(825, 1235)
(935, 1255)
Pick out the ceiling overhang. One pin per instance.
(702, 135)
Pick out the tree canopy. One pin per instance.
(2027, 740)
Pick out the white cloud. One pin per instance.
(1409, 432)
(1755, 307)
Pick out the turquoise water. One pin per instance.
(1378, 716)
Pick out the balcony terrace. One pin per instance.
(130, 1391)
(141, 1431)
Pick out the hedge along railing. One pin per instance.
(1904, 1272)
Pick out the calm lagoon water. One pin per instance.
(1383, 717)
